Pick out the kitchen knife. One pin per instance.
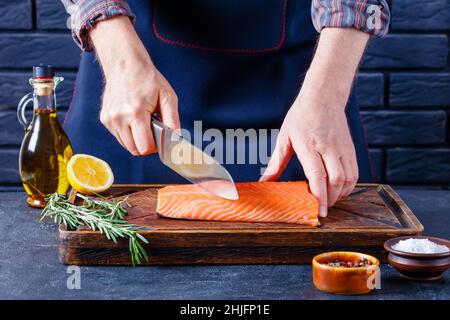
(192, 163)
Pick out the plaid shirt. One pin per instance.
(371, 16)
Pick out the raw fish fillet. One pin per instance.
(289, 202)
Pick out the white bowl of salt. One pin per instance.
(419, 257)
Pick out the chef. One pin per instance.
(230, 64)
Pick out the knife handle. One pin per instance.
(158, 125)
(158, 134)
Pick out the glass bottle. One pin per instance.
(45, 148)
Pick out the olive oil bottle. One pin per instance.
(45, 148)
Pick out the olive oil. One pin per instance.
(44, 155)
(45, 148)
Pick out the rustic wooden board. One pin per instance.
(370, 216)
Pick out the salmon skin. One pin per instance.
(289, 202)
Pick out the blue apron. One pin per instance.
(233, 64)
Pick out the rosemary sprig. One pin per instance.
(107, 217)
(112, 210)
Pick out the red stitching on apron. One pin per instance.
(230, 50)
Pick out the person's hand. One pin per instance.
(134, 88)
(316, 127)
(320, 137)
(130, 98)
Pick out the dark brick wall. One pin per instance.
(403, 87)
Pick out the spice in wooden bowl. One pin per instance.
(343, 272)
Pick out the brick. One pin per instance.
(51, 14)
(420, 15)
(421, 166)
(376, 159)
(13, 86)
(11, 132)
(16, 14)
(407, 51)
(11, 188)
(9, 166)
(370, 90)
(419, 89)
(405, 128)
(25, 50)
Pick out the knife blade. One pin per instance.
(191, 162)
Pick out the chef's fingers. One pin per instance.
(127, 139)
(168, 107)
(335, 176)
(281, 155)
(116, 134)
(104, 120)
(317, 176)
(142, 134)
(350, 166)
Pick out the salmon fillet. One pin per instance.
(289, 202)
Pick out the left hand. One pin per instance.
(316, 127)
(319, 135)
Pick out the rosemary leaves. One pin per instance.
(97, 214)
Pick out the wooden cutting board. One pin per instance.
(370, 216)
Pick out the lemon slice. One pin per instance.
(88, 174)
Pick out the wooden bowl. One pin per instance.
(342, 280)
(419, 266)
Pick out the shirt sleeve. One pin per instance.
(371, 16)
(84, 14)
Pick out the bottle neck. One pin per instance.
(44, 94)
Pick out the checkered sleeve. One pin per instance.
(371, 16)
(84, 14)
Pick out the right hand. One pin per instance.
(134, 87)
(129, 100)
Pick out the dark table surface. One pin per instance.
(29, 268)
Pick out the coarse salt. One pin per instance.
(413, 245)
